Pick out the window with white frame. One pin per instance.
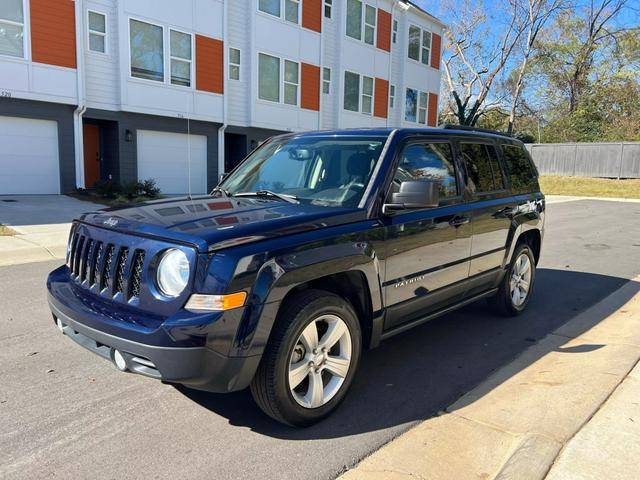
(326, 80)
(97, 31)
(419, 44)
(358, 93)
(234, 63)
(394, 37)
(392, 96)
(270, 86)
(328, 7)
(291, 82)
(12, 28)
(291, 9)
(180, 54)
(147, 50)
(367, 95)
(416, 106)
(361, 25)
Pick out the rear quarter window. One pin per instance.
(522, 176)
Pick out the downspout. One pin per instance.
(225, 92)
(321, 63)
(81, 108)
(393, 9)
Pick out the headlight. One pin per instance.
(173, 272)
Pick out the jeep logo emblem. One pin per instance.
(112, 222)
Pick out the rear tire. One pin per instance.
(315, 344)
(515, 289)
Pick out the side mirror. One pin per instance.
(414, 194)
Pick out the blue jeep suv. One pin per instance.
(316, 247)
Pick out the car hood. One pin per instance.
(212, 223)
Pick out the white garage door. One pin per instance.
(163, 157)
(29, 161)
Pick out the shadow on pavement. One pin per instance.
(417, 374)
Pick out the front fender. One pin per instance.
(280, 274)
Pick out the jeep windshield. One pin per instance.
(321, 170)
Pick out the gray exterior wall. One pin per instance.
(125, 165)
(254, 135)
(63, 115)
(605, 160)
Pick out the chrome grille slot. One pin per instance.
(86, 255)
(72, 251)
(76, 256)
(136, 273)
(106, 272)
(95, 263)
(120, 270)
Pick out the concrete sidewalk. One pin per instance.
(567, 408)
(41, 223)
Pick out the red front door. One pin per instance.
(91, 135)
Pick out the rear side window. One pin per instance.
(428, 161)
(519, 169)
(483, 167)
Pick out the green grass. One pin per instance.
(590, 187)
(6, 231)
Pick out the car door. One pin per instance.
(493, 208)
(427, 250)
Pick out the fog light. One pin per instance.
(119, 360)
(215, 303)
(60, 325)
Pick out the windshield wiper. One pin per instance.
(269, 193)
(221, 190)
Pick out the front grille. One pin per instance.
(136, 276)
(106, 271)
(121, 269)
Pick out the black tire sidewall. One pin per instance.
(293, 412)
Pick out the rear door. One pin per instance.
(427, 250)
(493, 208)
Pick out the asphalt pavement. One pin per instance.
(66, 413)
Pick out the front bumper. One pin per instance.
(172, 355)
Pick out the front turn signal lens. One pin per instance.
(215, 303)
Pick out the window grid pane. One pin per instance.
(369, 24)
(367, 95)
(414, 43)
(234, 56)
(290, 82)
(11, 40)
(392, 96)
(180, 45)
(291, 10)
(147, 51)
(269, 78)
(11, 10)
(97, 42)
(354, 19)
(180, 72)
(327, 8)
(97, 22)
(234, 72)
(351, 91)
(271, 7)
(411, 105)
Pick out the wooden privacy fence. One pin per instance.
(606, 160)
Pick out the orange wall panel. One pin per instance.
(310, 87)
(53, 32)
(312, 15)
(436, 47)
(381, 100)
(432, 119)
(209, 64)
(384, 30)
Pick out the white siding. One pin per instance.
(238, 36)
(102, 69)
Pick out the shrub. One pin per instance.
(132, 189)
(107, 188)
(150, 188)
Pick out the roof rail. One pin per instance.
(469, 128)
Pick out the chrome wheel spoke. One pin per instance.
(315, 394)
(335, 332)
(298, 372)
(337, 365)
(515, 296)
(524, 286)
(309, 337)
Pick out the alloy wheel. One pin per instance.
(520, 282)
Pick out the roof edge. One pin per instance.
(431, 17)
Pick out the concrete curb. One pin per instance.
(516, 423)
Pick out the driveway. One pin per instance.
(66, 413)
(42, 225)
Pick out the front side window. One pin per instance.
(180, 55)
(483, 168)
(328, 6)
(234, 63)
(414, 43)
(319, 170)
(351, 91)
(97, 32)
(369, 24)
(272, 7)
(521, 174)
(147, 50)
(291, 10)
(268, 78)
(326, 80)
(428, 161)
(354, 19)
(12, 28)
(367, 95)
(411, 105)
(291, 82)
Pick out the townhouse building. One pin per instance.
(180, 91)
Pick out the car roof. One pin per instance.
(404, 132)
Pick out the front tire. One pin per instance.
(515, 289)
(310, 360)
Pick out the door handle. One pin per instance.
(458, 221)
(506, 212)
